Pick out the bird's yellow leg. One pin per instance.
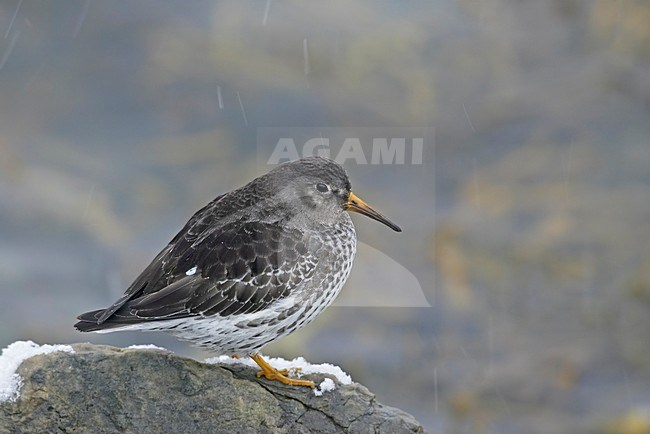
(270, 373)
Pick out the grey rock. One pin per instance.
(103, 389)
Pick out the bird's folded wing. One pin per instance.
(240, 268)
(152, 276)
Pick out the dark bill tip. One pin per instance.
(357, 205)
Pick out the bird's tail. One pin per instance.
(88, 322)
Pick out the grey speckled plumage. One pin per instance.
(253, 265)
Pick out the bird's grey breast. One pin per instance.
(335, 261)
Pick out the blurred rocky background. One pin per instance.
(526, 227)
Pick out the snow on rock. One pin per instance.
(297, 367)
(12, 357)
(325, 386)
(146, 347)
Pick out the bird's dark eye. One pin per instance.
(323, 188)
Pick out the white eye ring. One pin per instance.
(323, 188)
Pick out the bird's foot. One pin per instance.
(285, 371)
(270, 373)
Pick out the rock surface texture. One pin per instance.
(103, 389)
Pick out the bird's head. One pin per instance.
(321, 190)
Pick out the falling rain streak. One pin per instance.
(243, 111)
(219, 97)
(88, 199)
(81, 19)
(11, 23)
(435, 389)
(267, 9)
(468, 119)
(305, 56)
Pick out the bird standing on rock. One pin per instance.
(253, 265)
